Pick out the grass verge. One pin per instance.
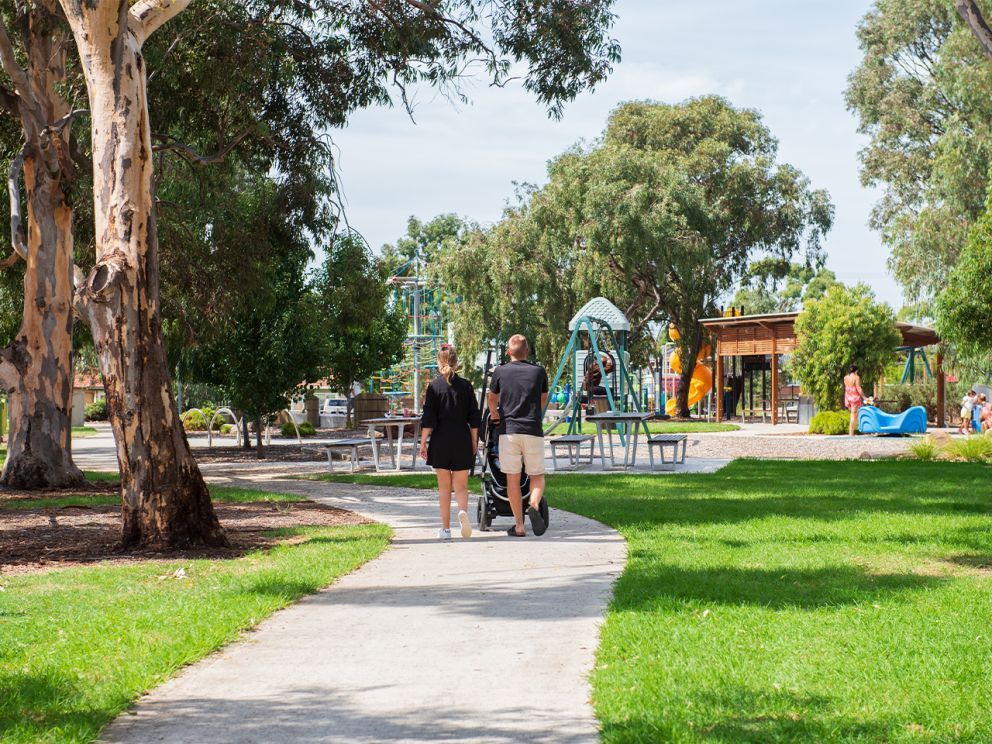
(78, 646)
(673, 427)
(84, 431)
(795, 602)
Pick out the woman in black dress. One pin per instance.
(451, 422)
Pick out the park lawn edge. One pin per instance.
(69, 686)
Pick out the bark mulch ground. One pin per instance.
(41, 539)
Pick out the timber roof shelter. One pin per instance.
(775, 335)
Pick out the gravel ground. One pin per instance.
(795, 446)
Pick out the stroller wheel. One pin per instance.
(482, 514)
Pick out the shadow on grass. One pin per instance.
(34, 705)
(742, 715)
(656, 587)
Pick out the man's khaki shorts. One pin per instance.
(517, 449)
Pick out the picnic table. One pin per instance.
(386, 427)
(629, 425)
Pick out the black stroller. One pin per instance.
(494, 502)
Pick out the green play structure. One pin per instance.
(598, 327)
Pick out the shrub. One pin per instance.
(897, 398)
(976, 448)
(306, 429)
(226, 428)
(194, 420)
(830, 422)
(926, 449)
(846, 326)
(97, 410)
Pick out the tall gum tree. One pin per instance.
(164, 498)
(36, 369)
(404, 43)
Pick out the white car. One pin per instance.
(335, 407)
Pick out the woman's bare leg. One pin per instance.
(854, 421)
(459, 481)
(444, 496)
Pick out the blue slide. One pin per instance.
(871, 420)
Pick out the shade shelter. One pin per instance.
(774, 335)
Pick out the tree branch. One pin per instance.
(192, 156)
(9, 62)
(147, 16)
(972, 15)
(18, 239)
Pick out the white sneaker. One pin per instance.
(466, 525)
(443, 534)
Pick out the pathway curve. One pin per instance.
(483, 640)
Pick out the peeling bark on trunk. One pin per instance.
(37, 367)
(165, 501)
(685, 379)
(39, 448)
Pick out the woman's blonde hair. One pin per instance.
(447, 362)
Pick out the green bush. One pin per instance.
(925, 449)
(226, 428)
(194, 420)
(306, 429)
(830, 422)
(97, 410)
(975, 448)
(897, 398)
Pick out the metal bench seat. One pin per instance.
(574, 444)
(661, 441)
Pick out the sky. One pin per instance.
(788, 60)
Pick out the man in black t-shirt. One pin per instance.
(517, 397)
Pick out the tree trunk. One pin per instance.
(36, 370)
(685, 377)
(258, 439)
(246, 438)
(39, 448)
(165, 501)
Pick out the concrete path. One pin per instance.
(483, 640)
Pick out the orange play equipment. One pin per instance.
(702, 378)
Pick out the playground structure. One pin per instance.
(756, 344)
(871, 420)
(702, 378)
(425, 307)
(598, 329)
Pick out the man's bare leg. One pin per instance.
(536, 490)
(516, 498)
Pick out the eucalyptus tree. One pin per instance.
(368, 46)
(923, 96)
(674, 204)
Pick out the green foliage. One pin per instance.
(268, 342)
(774, 285)
(898, 398)
(923, 94)
(964, 308)
(925, 449)
(424, 239)
(97, 410)
(362, 332)
(662, 216)
(830, 422)
(846, 326)
(305, 428)
(226, 428)
(973, 448)
(199, 419)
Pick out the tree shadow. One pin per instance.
(742, 715)
(653, 586)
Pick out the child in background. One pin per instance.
(967, 406)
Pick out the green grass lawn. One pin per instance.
(77, 646)
(83, 431)
(795, 602)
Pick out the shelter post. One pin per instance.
(718, 382)
(941, 393)
(774, 380)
